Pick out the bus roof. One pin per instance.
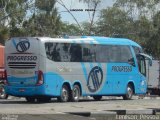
(91, 40)
(117, 41)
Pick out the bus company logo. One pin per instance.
(95, 79)
(22, 46)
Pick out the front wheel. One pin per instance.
(3, 94)
(75, 94)
(129, 93)
(64, 97)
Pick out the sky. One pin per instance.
(82, 15)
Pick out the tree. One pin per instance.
(153, 46)
(29, 18)
(3, 35)
(145, 17)
(92, 4)
(70, 29)
(67, 10)
(138, 7)
(45, 20)
(114, 21)
(12, 14)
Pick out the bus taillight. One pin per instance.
(5, 78)
(40, 78)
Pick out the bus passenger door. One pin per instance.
(142, 86)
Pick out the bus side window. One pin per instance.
(64, 52)
(48, 48)
(76, 53)
(102, 53)
(114, 53)
(56, 53)
(126, 55)
(89, 53)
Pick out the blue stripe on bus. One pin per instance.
(14, 42)
(91, 65)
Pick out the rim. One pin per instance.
(76, 93)
(129, 91)
(2, 94)
(64, 94)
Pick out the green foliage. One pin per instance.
(3, 35)
(138, 7)
(12, 14)
(92, 4)
(142, 27)
(113, 21)
(138, 20)
(153, 46)
(45, 20)
(70, 29)
(45, 5)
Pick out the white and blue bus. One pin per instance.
(41, 68)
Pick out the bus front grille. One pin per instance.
(22, 65)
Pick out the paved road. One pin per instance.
(62, 111)
(20, 106)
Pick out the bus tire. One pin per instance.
(97, 98)
(129, 92)
(3, 94)
(75, 94)
(30, 99)
(64, 97)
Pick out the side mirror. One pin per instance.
(131, 62)
(150, 62)
(147, 57)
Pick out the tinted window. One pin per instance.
(76, 53)
(71, 52)
(64, 52)
(126, 54)
(113, 53)
(89, 54)
(102, 53)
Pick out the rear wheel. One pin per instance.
(3, 94)
(97, 98)
(30, 99)
(129, 93)
(64, 97)
(75, 93)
